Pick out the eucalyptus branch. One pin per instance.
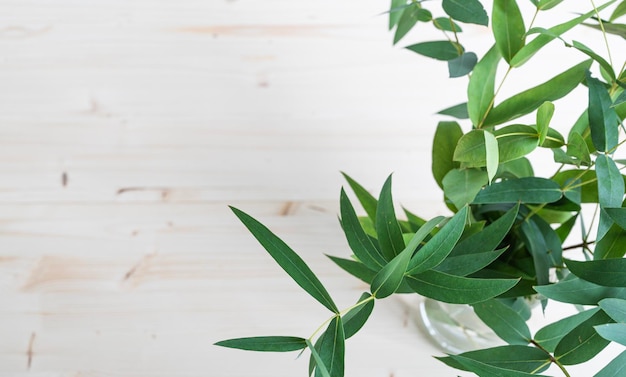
(552, 358)
(606, 41)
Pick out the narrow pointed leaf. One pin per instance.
(615, 332)
(548, 4)
(265, 343)
(619, 11)
(438, 248)
(458, 290)
(354, 319)
(550, 336)
(367, 200)
(440, 50)
(387, 227)
(504, 321)
(612, 245)
(358, 240)
(287, 259)
(603, 120)
(492, 152)
(520, 358)
(389, 278)
(616, 368)
(410, 16)
(508, 28)
(320, 367)
(526, 190)
(395, 12)
(486, 370)
(446, 24)
(446, 137)
(529, 100)
(462, 65)
(481, 88)
(583, 342)
(605, 272)
(536, 245)
(531, 48)
(466, 264)
(457, 111)
(544, 116)
(332, 349)
(615, 308)
(615, 29)
(593, 55)
(361, 272)
(580, 292)
(468, 11)
(462, 185)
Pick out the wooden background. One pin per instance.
(127, 127)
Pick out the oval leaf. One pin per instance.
(603, 120)
(615, 308)
(516, 141)
(549, 336)
(287, 259)
(504, 321)
(583, 342)
(606, 272)
(440, 50)
(480, 91)
(580, 292)
(446, 137)
(469, 11)
(508, 28)
(462, 65)
(462, 185)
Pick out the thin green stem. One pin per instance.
(341, 313)
(552, 358)
(493, 100)
(606, 41)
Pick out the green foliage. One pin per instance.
(510, 237)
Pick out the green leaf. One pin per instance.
(387, 227)
(515, 169)
(583, 342)
(265, 343)
(457, 111)
(615, 308)
(395, 12)
(520, 358)
(529, 100)
(356, 317)
(492, 155)
(446, 24)
(481, 88)
(620, 99)
(504, 321)
(525, 190)
(536, 245)
(471, 149)
(358, 240)
(462, 185)
(490, 237)
(589, 187)
(606, 272)
(580, 292)
(544, 116)
(508, 28)
(549, 336)
(616, 368)
(578, 150)
(354, 268)
(462, 65)
(486, 370)
(615, 29)
(531, 48)
(438, 247)
(466, 264)
(440, 50)
(287, 259)
(610, 182)
(619, 11)
(468, 11)
(612, 245)
(410, 16)
(548, 4)
(615, 332)
(446, 137)
(554, 139)
(332, 349)
(456, 289)
(367, 200)
(593, 55)
(516, 141)
(603, 120)
(388, 280)
(320, 367)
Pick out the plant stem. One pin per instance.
(552, 358)
(493, 100)
(341, 313)
(606, 41)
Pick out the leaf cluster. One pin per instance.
(510, 229)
